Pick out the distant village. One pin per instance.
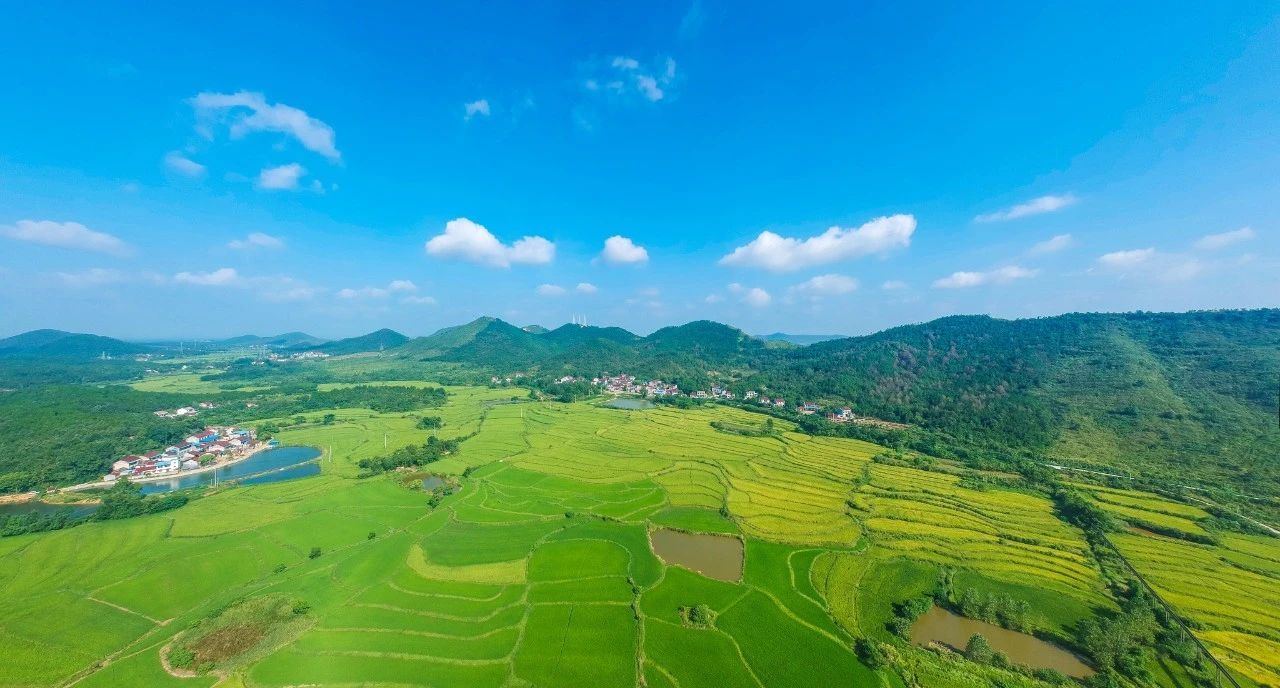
(628, 384)
(213, 445)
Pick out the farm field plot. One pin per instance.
(1232, 590)
(539, 570)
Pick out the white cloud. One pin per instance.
(756, 297)
(181, 164)
(470, 241)
(287, 290)
(221, 277)
(550, 290)
(418, 300)
(586, 288)
(363, 293)
(394, 287)
(714, 298)
(827, 285)
(627, 77)
(92, 277)
(65, 235)
(256, 240)
(476, 107)
(1123, 260)
(619, 250)
(1036, 206)
(1213, 242)
(1053, 245)
(893, 285)
(249, 112)
(773, 252)
(962, 280)
(284, 177)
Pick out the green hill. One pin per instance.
(379, 340)
(67, 345)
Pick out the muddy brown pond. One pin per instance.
(941, 626)
(714, 556)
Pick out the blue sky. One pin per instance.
(184, 171)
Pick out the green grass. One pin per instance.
(539, 571)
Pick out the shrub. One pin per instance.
(979, 650)
(315, 553)
(181, 657)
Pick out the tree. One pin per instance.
(329, 418)
(315, 553)
(768, 425)
(872, 653)
(979, 650)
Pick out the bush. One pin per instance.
(979, 650)
(873, 654)
(315, 553)
(181, 657)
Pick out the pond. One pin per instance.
(263, 467)
(45, 509)
(941, 626)
(431, 482)
(630, 404)
(714, 556)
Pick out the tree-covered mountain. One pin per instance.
(67, 345)
(799, 339)
(379, 340)
(1149, 391)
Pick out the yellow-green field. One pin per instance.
(539, 571)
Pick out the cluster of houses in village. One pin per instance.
(213, 444)
(627, 384)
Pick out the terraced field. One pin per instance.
(539, 570)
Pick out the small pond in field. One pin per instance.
(431, 482)
(941, 626)
(714, 556)
(630, 404)
(40, 508)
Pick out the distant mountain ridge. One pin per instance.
(800, 339)
(60, 344)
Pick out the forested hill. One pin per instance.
(70, 345)
(1155, 392)
(1191, 393)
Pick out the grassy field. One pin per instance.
(539, 572)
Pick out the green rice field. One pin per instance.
(538, 571)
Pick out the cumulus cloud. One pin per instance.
(282, 178)
(247, 112)
(963, 280)
(418, 300)
(756, 297)
(550, 290)
(626, 76)
(256, 240)
(714, 298)
(470, 241)
(826, 285)
(402, 286)
(180, 164)
(893, 285)
(1122, 260)
(619, 250)
(1213, 242)
(475, 108)
(1052, 245)
(1035, 206)
(222, 277)
(586, 288)
(65, 235)
(780, 254)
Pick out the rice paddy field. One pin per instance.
(1231, 590)
(539, 570)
